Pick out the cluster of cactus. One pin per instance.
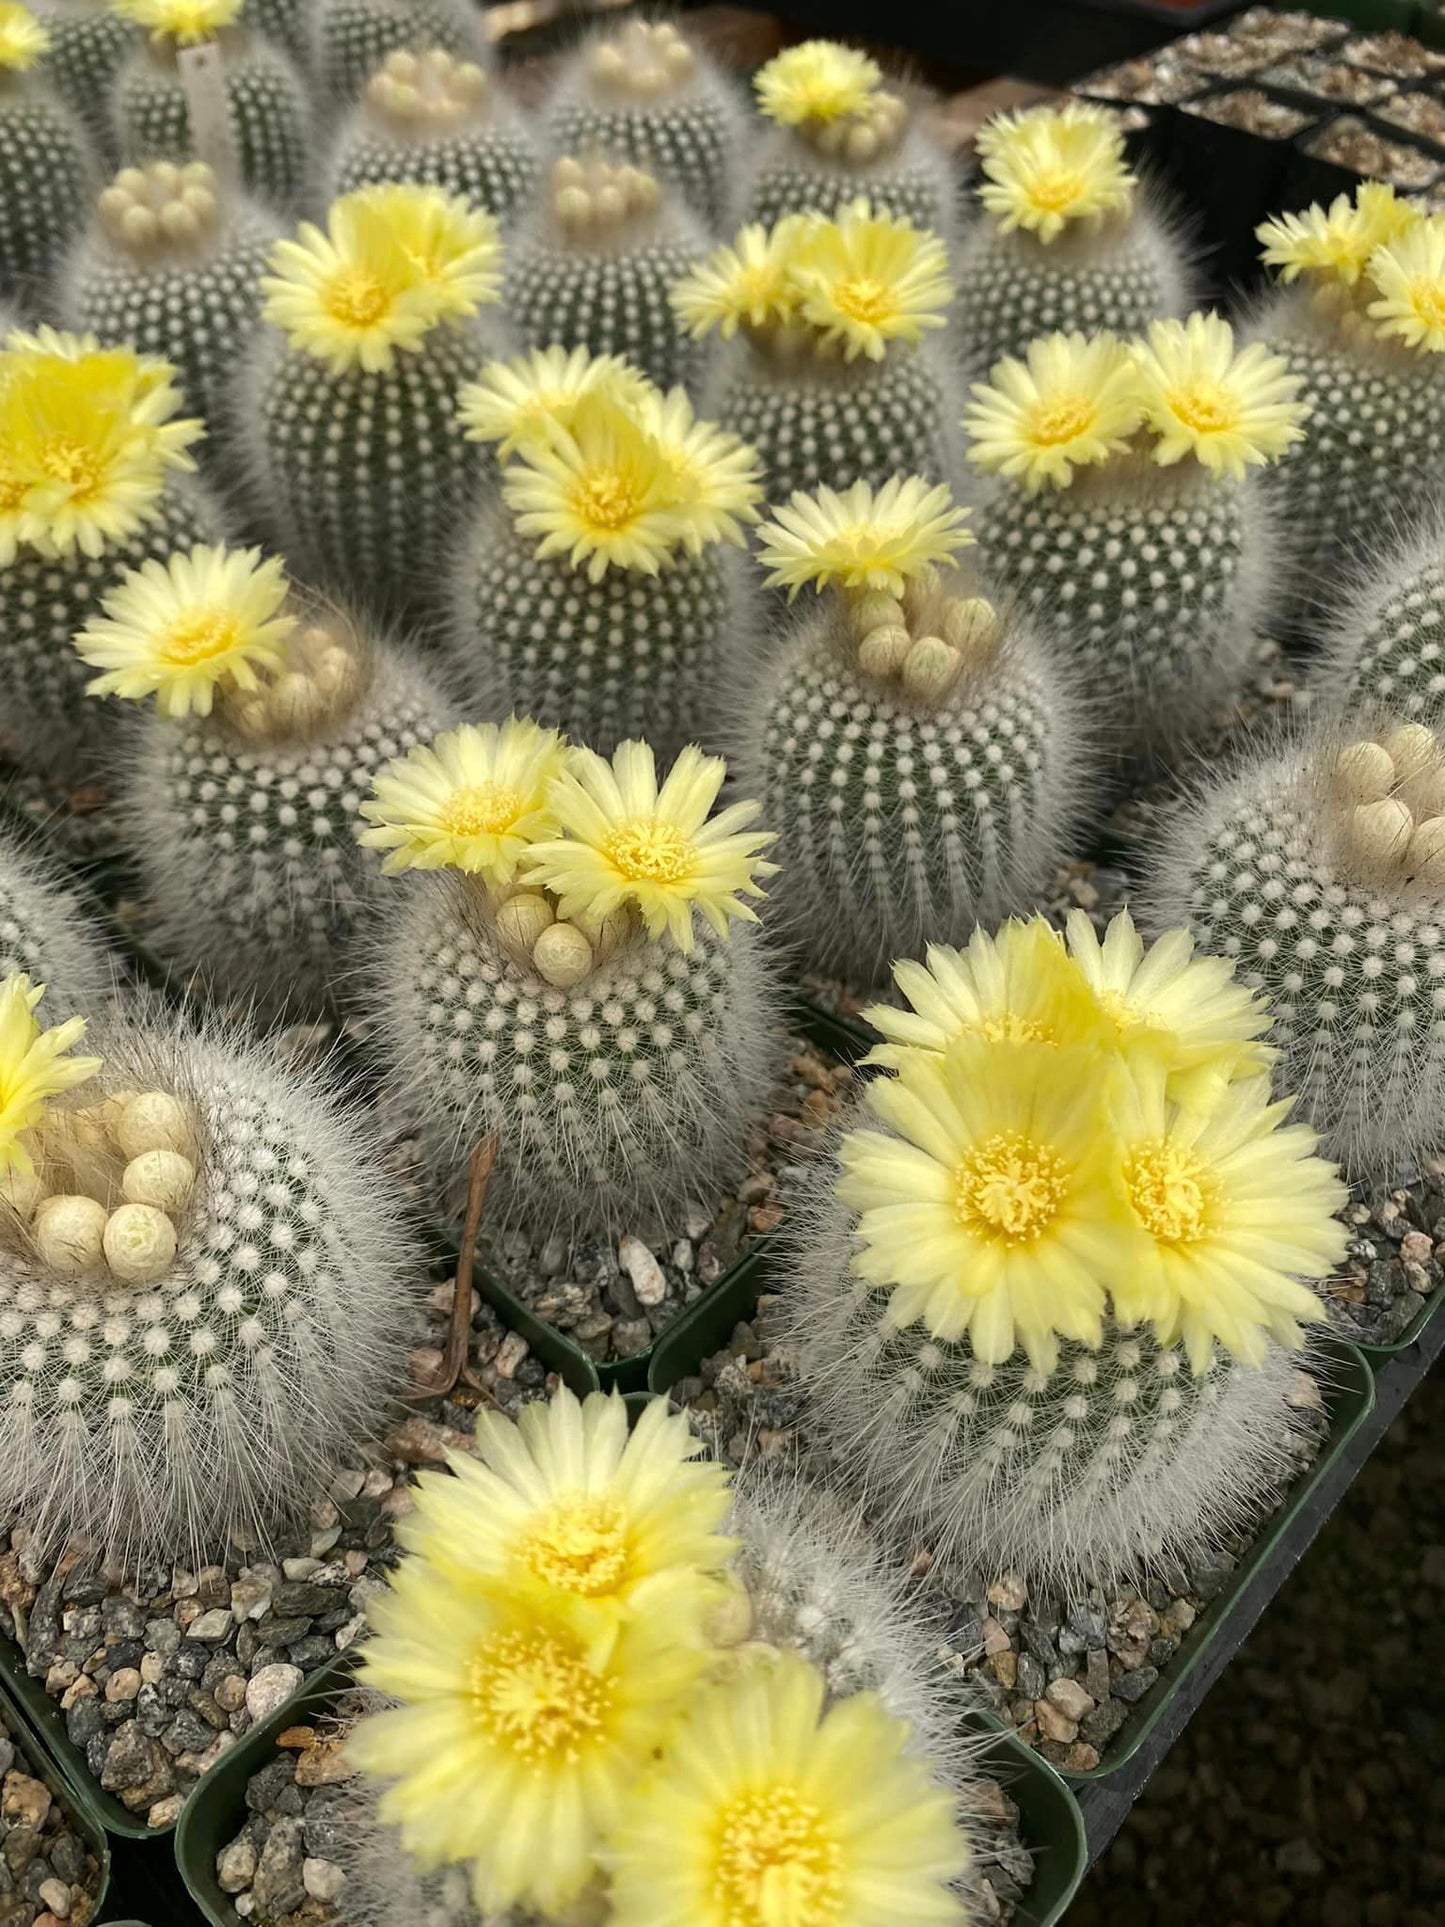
(919, 750)
(824, 363)
(1068, 240)
(46, 168)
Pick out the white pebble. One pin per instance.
(323, 1879)
(270, 1688)
(140, 1243)
(649, 1281)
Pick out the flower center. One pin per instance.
(200, 637)
(1009, 1028)
(73, 464)
(1060, 421)
(776, 1864)
(579, 1545)
(1054, 189)
(1010, 1188)
(1170, 1189)
(1206, 410)
(485, 809)
(356, 298)
(607, 498)
(533, 1696)
(650, 852)
(864, 299)
(1428, 300)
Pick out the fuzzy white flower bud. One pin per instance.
(562, 956)
(162, 1178)
(140, 1243)
(1364, 772)
(1379, 832)
(69, 1234)
(522, 919)
(152, 1121)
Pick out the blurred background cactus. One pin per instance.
(354, 37)
(47, 932)
(824, 365)
(89, 40)
(47, 172)
(1383, 646)
(1068, 241)
(923, 757)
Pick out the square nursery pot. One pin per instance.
(1349, 1392)
(34, 1754)
(1229, 178)
(840, 1039)
(1050, 1823)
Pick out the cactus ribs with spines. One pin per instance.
(594, 264)
(46, 933)
(89, 43)
(646, 94)
(1383, 648)
(432, 117)
(47, 172)
(354, 38)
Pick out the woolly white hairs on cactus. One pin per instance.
(1383, 643)
(47, 174)
(89, 43)
(354, 37)
(158, 1418)
(643, 93)
(46, 934)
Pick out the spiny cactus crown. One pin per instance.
(1384, 648)
(163, 213)
(834, 97)
(424, 94)
(1372, 266)
(45, 933)
(1047, 170)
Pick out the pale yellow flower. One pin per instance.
(456, 246)
(186, 22)
(1336, 245)
(715, 476)
(866, 279)
(818, 80)
(510, 402)
(1231, 410)
(475, 799)
(1047, 167)
(751, 280)
(23, 40)
(33, 1067)
(1073, 403)
(865, 538)
(1409, 274)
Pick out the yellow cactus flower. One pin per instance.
(186, 22)
(1073, 403)
(1336, 245)
(1409, 273)
(865, 538)
(23, 40)
(511, 402)
(1231, 410)
(1046, 168)
(715, 475)
(456, 247)
(818, 80)
(866, 279)
(749, 281)
(33, 1067)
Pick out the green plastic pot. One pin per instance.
(1349, 1391)
(1049, 1819)
(36, 1755)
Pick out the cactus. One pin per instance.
(831, 379)
(289, 25)
(626, 616)
(269, 114)
(46, 170)
(1357, 322)
(88, 44)
(347, 404)
(439, 120)
(647, 95)
(209, 1295)
(101, 418)
(921, 754)
(1384, 646)
(616, 1039)
(46, 935)
(840, 136)
(1045, 1310)
(1069, 241)
(1127, 520)
(1317, 868)
(595, 266)
(242, 786)
(172, 266)
(356, 36)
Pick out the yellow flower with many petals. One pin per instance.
(865, 538)
(818, 81)
(566, 1500)
(511, 402)
(455, 246)
(186, 22)
(179, 629)
(1074, 403)
(1409, 275)
(23, 40)
(625, 840)
(766, 1810)
(866, 279)
(33, 1067)
(1336, 245)
(1229, 410)
(1046, 167)
(475, 799)
(1237, 1210)
(714, 473)
(520, 1734)
(993, 1209)
(751, 281)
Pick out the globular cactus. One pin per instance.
(242, 786)
(432, 117)
(46, 933)
(595, 265)
(267, 108)
(597, 592)
(92, 444)
(289, 25)
(570, 981)
(1128, 521)
(347, 405)
(1383, 647)
(172, 266)
(646, 94)
(354, 37)
(1360, 322)
(1068, 241)
(1045, 1302)
(89, 42)
(841, 135)
(46, 169)
(208, 1294)
(830, 378)
(921, 754)
(1319, 868)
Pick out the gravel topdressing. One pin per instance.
(48, 1874)
(1396, 1258)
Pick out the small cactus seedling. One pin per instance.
(595, 265)
(242, 787)
(923, 758)
(348, 402)
(89, 42)
(1384, 647)
(356, 36)
(829, 376)
(46, 170)
(841, 135)
(266, 101)
(1320, 869)
(172, 266)
(46, 935)
(442, 121)
(597, 590)
(1360, 321)
(1046, 1302)
(646, 94)
(570, 980)
(1068, 240)
(91, 451)
(207, 1291)
(1127, 519)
